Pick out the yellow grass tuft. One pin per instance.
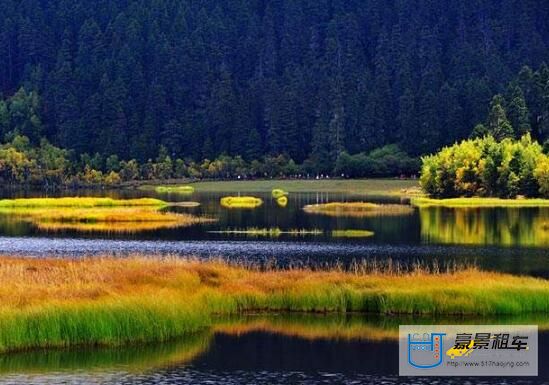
(175, 189)
(244, 202)
(278, 193)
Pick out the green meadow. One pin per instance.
(393, 187)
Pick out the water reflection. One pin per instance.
(276, 348)
(527, 227)
(136, 358)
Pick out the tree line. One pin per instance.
(324, 83)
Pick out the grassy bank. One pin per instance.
(392, 187)
(112, 301)
(479, 202)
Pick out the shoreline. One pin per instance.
(474, 202)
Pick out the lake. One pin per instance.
(282, 349)
(503, 239)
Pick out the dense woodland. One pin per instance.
(360, 88)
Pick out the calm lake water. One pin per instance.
(504, 239)
(283, 349)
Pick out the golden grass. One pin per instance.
(154, 221)
(241, 202)
(358, 209)
(116, 219)
(352, 233)
(78, 202)
(479, 202)
(51, 302)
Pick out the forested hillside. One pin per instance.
(309, 79)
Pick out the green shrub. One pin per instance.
(486, 167)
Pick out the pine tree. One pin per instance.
(517, 111)
(497, 124)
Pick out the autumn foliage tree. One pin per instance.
(487, 167)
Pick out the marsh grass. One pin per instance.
(269, 232)
(241, 202)
(358, 209)
(352, 233)
(125, 221)
(110, 301)
(78, 202)
(185, 190)
(479, 202)
(129, 218)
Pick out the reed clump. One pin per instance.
(241, 202)
(112, 301)
(358, 209)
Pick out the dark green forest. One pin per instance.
(328, 85)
